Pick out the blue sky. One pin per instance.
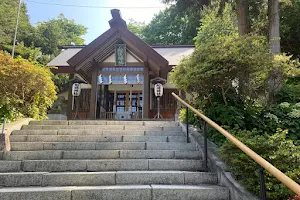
(95, 19)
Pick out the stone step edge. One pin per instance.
(37, 189)
(147, 191)
(45, 179)
(102, 133)
(119, 192)
(103, 122)
(83, 165)
(99, 154)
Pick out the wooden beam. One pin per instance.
(63, 70)
(112, 64)
(146, 93)
(100, 49)
(86, 51)
(70, 98)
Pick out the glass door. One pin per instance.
(121, 102)
(136, 101)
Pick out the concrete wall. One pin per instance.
(10, 127)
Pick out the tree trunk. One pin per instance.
(274, 34)
(243, 16)
(224, 96)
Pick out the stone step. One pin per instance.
(118, 192)
(32, 146)
(94, 138)
(10, 166)
(27, 179)
(103, 122)
(100, 127)
(84, 132)
(101, 154)
(100, 165)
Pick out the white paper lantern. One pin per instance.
(76, 89)
(158, 89)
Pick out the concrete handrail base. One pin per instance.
(216, 165)
(10, 127)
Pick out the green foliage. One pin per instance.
(167, 27)
(273, 148)
(289, 93)
(36, 43)
(26, 88)
(285, 116)
(192, 117)
(170, 27)
(61, 80)
(215, 26)
(55, 32)
(8, 14)
(289, 27)
(225, 64)
(136, 27)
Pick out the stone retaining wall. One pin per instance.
(215, 164)
(9, 127)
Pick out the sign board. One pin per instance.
(76, 89)
(120, 55)
(158, 90)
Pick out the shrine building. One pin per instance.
(117, 72)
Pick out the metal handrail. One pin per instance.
(261, 161)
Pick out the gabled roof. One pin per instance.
(104, 45)
(172, 53)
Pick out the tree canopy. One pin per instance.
(56, 32)
(168, 27)
(38, 42)
(26, 88)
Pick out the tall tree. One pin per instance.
(289, 27)
(55, 32)
(136, 27)
(243, 17)
(274, 35)
(8, 16)
(168, 27)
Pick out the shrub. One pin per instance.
(279, 151)
(26, 88)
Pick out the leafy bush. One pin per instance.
(26, 88)
(279, 151)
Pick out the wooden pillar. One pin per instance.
(130, 100)
(115, 101)
(146, 93)
(106, 98)
(93, 106)
(151, 98)
(70, 98)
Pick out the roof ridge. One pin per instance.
(153, 46)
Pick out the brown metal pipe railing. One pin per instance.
(265, 164)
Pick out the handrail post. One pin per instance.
(205, 146)
(263, 195)
(3, 126)
(187, 125)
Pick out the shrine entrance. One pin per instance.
(120, 92)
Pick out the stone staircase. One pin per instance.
(107, 160)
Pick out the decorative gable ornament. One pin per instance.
(125, 79)
(100, 79)
(120, 55)
(110, 79)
